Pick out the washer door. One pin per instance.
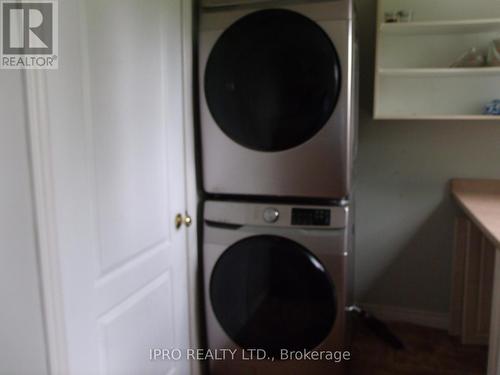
(271, 293)
(272, 80)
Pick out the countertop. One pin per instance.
(480, 199)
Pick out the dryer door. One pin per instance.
(271, 293)
(272, 80)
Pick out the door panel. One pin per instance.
(272, 80)
(128, 122)
(119, 334)
(115, 108)
(270, 292)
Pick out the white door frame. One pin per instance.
(191, 183)
(43, 191)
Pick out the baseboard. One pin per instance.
(399, 314)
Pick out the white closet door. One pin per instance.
(110, 122)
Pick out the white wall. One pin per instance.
(404, 210)
(22, 342)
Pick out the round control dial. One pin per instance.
(271, 215)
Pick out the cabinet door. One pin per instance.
(115, 129)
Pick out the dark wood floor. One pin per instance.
(428, 352)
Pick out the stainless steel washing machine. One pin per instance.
(276, 278)
(277, 99)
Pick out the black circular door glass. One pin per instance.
(271, 293)
(272, 80)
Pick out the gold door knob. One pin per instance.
(179, 220)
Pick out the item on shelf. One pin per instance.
(405, 15)
(391, 17)
(473, 58)
(398, 16)
(493, 58)
(492, 108)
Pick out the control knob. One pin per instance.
(271, 215)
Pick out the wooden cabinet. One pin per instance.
(473, 263)
(475, 303)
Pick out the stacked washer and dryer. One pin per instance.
(278, 108)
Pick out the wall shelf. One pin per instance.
(439, 117)
(438, 72)
(441, 27)
(413, 78)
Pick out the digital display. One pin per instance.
(306, 216)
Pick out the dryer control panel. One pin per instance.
(310, 216)
(237, 214)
